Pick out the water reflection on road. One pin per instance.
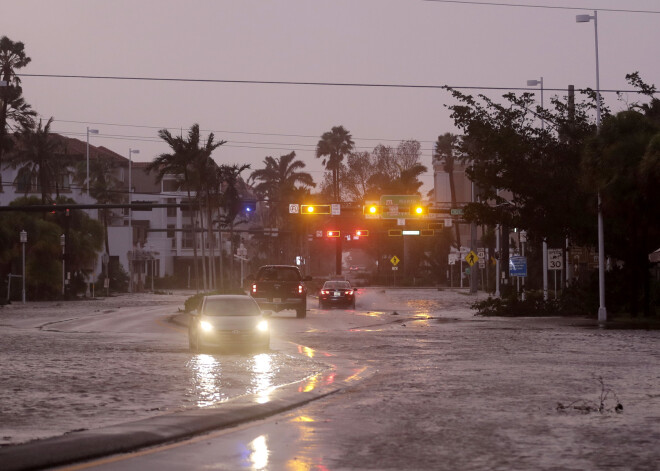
(215, 378)
(207, 380)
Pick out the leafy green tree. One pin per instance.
(12, 105)
(334, 146)
(539, 166)
(38, 157)
(356, 177)
(43, 249)
(396, 171)
(623, 163)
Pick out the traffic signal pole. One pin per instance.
(338, 256)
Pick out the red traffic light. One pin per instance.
(332, 233)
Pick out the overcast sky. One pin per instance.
(403, 42)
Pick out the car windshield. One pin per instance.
(278, 274)
(231, 307)
(337, 285)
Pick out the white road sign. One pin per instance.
(555, 259)
(294, 208)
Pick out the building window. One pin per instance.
(171, 185)
(187, 240)
(171, 212)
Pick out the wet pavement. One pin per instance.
(89, 364)
(447, 390)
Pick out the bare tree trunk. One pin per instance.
(201, 235)
(194, 238)
(211, 239)
(231, 255)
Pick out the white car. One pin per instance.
(228, 321)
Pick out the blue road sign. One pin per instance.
(518, 266)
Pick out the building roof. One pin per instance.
(75, 146)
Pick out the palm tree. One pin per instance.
(12, 57)
(38, 157)
(184, 158)
(278, 180)
(335, 145)
(445, 148)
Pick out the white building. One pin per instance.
(156, 241)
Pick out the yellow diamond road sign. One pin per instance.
(395, 260)
(471, 258)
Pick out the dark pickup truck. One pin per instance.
(279, 287)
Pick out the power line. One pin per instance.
(547, 7)
(321, 84)
(253, 133)
(283, 146)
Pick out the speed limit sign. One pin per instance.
(555, 259)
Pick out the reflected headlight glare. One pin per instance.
(262, 326)
(206, 326)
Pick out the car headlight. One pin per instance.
(262, 326)
(206, 326)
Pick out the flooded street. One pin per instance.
(89, 364)
(446, 389)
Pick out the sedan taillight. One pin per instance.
(301, 289)
(254, 287)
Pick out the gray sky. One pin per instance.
(411, 42)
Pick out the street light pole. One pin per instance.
(602, 311)
(534, 83)
(130, 215)
(89, 131)
(23, 235)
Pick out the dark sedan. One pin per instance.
(337, 293)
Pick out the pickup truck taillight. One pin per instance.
(301, 289)
(254, 287)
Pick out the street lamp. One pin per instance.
(23, 235)
(130, 215)
(534, 83)
(63, 244)
(602, 311)
(89, 131)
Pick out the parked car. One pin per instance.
(228, 321)
(337, 293)
(280, 287)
